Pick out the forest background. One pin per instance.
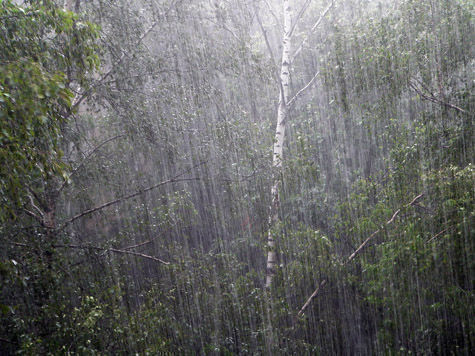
(137, 174)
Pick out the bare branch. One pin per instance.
(353, 255)
(223, 25)
(438, 234)
(38, 199)
(266, 39)
(431, 97)
(295, 97)
(33, 215)
(97, 248)
(277, 76)
(38, 210)
(314, 27)
(175, 179)
(118, 200)
(299, 16)
(309, 300)
(115, 250)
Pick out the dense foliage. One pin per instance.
(134, 201)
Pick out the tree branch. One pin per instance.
(94, 150)
(353, 255)
(38, 210)
(299, 15)
(137, 245)
(97, 248)
(314, 27)
(115, 250)
(272, 12)
(390, 221)
(438, 234)
(295, 97)
(309, 300)
(129, 196)
(431, 97)
(279, 81)
(33, 215)
(80, 98)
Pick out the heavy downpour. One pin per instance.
(237, 177)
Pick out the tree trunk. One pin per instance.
(282, 113)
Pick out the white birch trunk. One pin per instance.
(282, 113)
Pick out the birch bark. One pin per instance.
(279, 136)
(282, 115)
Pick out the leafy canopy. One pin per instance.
(43, 51)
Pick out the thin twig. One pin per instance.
(272, 12)
(438, 234)
(137, 245)
(269, 48)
